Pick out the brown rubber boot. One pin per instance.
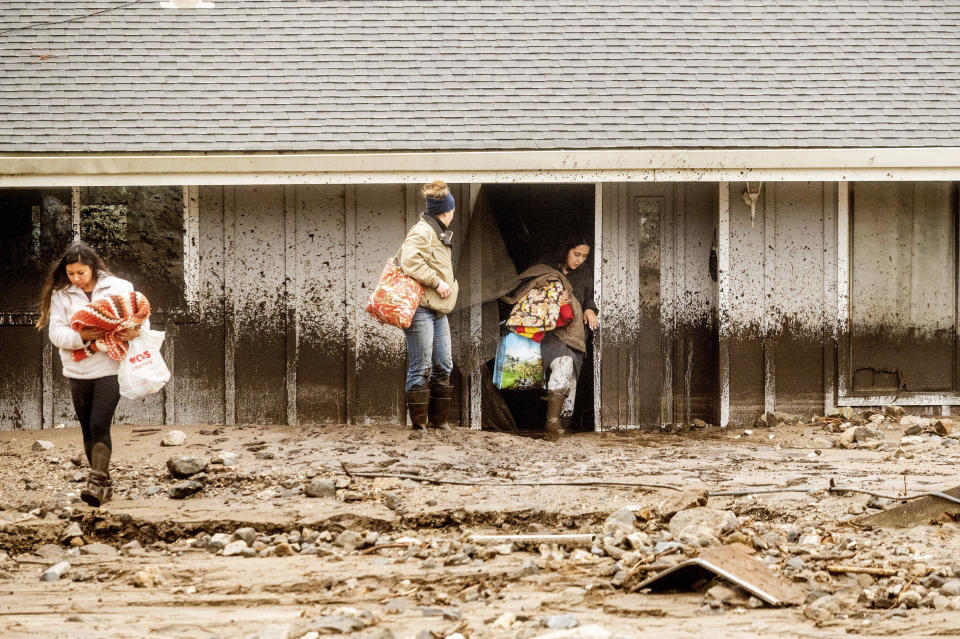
(440, 395)
(553, 427)
(417, 400)
(99, 487)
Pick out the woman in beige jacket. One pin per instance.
(426, 257)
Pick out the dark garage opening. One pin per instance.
(534, 221)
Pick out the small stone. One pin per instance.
(528, 569)
(148, 577)
(699, 423)
(275, 631)
(247, 535)
(391, 500)
(846, 439)
(951, 588)
(822, 442)
(560, 622)
(283, 550)
(72, 530)
(911, 598)
(234, 548)
(320, 488)
(98, 549)
(823, 608)
(349, 540)
(218, 541)
(867, 433)
(715, 521)
(183, 466)
(796, 563)
(913, 430)
(698, 537)
(185, 489)
(893, 411)
(622, 521)
(174, 438)
(352, 495)
(722, 593)
(940, 602)
(943, 427)
(911, 440)
(55, 572)
(41, 445)
(153, 490)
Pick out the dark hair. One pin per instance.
(571, 242)
(77, 252)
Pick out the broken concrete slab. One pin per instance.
(736, 564)
(919, 511)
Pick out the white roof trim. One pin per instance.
(488, 167)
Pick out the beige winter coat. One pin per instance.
(425, 258)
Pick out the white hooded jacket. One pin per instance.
(63, 304)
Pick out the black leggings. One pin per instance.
(95, 400)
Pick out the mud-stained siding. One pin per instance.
(903, 291)
(198, 384)
(797, 305)
(631, 358)
(779, 317)
(21, 377)
(321, 303)
(695, 360)
(259, 303)
(380, 213)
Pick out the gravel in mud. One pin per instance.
(257, 531)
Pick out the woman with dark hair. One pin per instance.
(562, 349)
(425, 255)
(78, 278)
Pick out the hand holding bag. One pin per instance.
(142, 370)
(396, 296)
(518, 366)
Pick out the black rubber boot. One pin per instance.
(553, 426)
(440, 395)
(99, 487)
(417, 400)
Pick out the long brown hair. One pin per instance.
(57, 279)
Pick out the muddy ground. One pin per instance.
(393, 557)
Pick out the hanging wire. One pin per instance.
(80, 17)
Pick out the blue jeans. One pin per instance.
(428, 347)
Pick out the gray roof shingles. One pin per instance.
(391, 75)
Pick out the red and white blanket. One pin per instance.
(111, 314)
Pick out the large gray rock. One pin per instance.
(677, 501)
(248, 535)
(184, 466)
(862, 434)
(320, 488)
(716, 522)
(185, 489)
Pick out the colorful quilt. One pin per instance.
(539, 308)
(111, 314)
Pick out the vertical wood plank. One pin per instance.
(723, 298)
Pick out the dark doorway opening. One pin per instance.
(534, 221)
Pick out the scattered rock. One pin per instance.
(72, 530)
(560, 622)
(677, 501)
(870, 433)
(951, 588)
(98, 549)
(823, 608)
(623, 521)
(528, 569)
(55, 572)
(185, 489)
(149, 577)
(349, 540)
(943, 427)
(320, 488)
(716, 522)
(722, 593)
(41, 445)
(846, 438)
(174, 438)
(183, 466)
(234, 548)
(247, 535)
(893, 411)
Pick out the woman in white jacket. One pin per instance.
(80, 277)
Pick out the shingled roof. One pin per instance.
(391, 75)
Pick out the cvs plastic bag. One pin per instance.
(143, 371)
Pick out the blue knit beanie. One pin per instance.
(440, 205)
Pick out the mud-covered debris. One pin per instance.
(55, 572)
(185, 489)
(320, 488)
(174, 438)
(183, 466)
(41, 445)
